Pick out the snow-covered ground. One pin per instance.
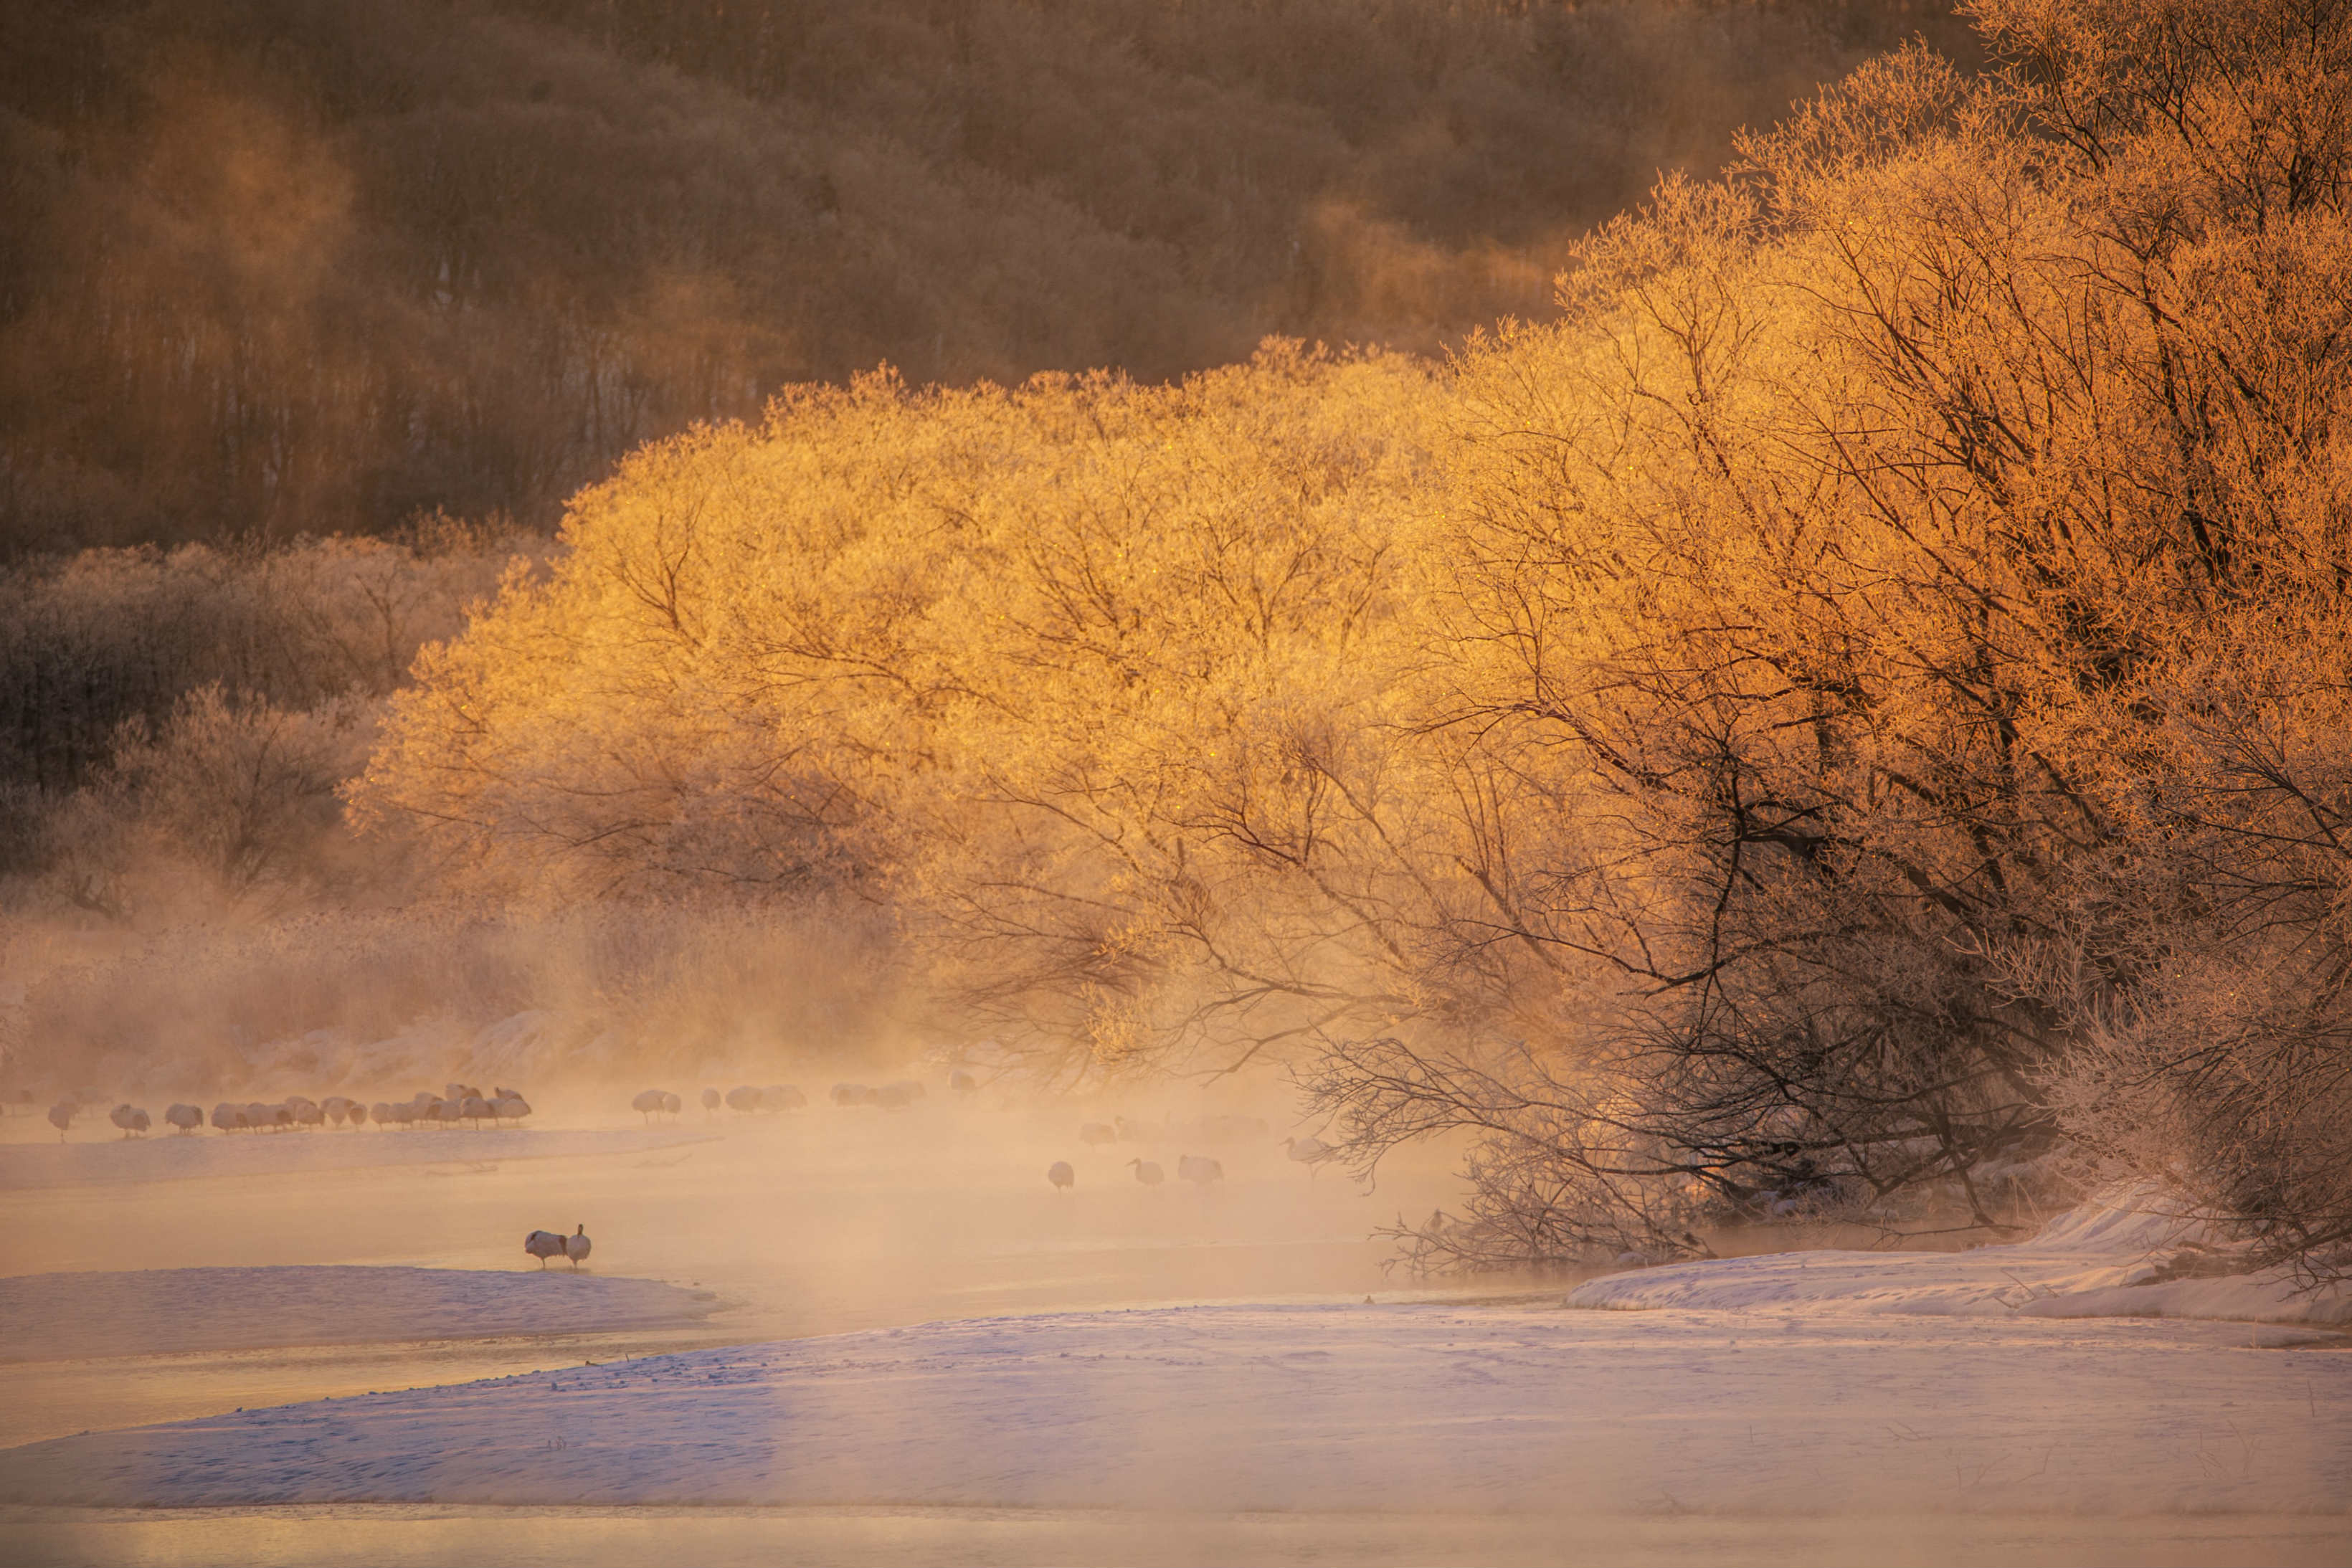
(172, 1311)
(2102, 1259)
(33, 1166)
(1327, 1409)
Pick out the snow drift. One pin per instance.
(2109, 1258)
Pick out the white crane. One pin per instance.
(1199, 1168)
(187, 1118)
(62, 1116)
(576, 1245)
(1309, 1152)
(711, 1102)
(1060, 1174)
(129, 1118)
(544, 1245)
(648, 1102)
(1149, 1174)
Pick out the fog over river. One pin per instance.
(1457, 1423)
(817, 1221)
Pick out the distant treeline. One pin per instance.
(104, 651)
(274, 266)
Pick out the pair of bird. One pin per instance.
(1198, 1169)
(545, 1244)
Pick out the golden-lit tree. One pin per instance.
(1930, 542)
(1091, 680)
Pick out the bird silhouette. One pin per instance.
(1199, 1168)
(1309, 1152)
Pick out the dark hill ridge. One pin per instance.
(286, 266)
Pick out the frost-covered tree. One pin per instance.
(1845, 723)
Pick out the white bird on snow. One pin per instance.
(544, 1245)
(1060, 1174)
(576, 1245)
(1149, 1174)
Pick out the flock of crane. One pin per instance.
(1199, 1169)
(749, 1098)
(465, 1103)
(461, 1103)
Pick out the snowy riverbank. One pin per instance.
(2103, 1259)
